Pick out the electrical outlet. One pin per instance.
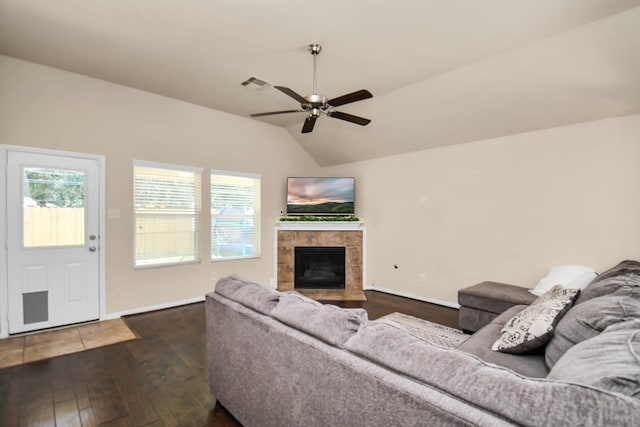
(422, 278)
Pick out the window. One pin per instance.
(235, 215)
(53, 207)
(166, 200)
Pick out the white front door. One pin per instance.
(53, 244)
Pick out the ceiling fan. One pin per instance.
(316, 104)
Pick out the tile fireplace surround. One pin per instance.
(349, 235)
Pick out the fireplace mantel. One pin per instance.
(320, 225)
(348, 234)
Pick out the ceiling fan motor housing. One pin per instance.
(316, 100)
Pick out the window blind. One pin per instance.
(235, 215)
(167, 214)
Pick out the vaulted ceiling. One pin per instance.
(441, 71)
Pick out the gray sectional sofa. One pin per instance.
(280, 359)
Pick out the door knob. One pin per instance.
(92, 248)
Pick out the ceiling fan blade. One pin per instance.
(270, 113)
(358, 95)
(292, 94)
(349, 118)
(308, 124)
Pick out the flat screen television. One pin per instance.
(320, 196)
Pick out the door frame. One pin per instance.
(4, 285)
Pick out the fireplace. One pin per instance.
(347, 237)
(319, 267)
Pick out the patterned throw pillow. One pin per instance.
(533, 326)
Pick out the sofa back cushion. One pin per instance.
(609, 361)
(590, 318)
(247, 293)
(626, 273)
(329, 323)
(621, 269)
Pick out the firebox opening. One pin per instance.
(319, 267)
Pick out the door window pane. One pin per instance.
(53, 207)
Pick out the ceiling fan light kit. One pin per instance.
(316, 104)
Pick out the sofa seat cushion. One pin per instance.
(332, 324)
(533, 326)
(247, 293)
(609, 361)
(590, 318)
(479, 344)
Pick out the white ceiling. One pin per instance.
(441, 71)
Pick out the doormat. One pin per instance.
(433, 333)
(73, 339)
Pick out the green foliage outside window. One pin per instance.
(54, 188)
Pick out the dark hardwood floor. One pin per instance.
(157, 380)
(379, 304)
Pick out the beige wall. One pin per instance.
(48, 108)
(504, 209)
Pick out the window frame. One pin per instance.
(196, 215)
(255, 217)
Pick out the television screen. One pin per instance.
(320, 196)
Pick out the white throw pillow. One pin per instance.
(581, 281)
(563, 276)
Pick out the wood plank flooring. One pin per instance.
(157, 380)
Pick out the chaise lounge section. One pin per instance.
(483, 302)
(283, 359)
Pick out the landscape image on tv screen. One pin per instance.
(320, 196)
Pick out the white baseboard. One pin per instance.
(138, 310)
(413, 296)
